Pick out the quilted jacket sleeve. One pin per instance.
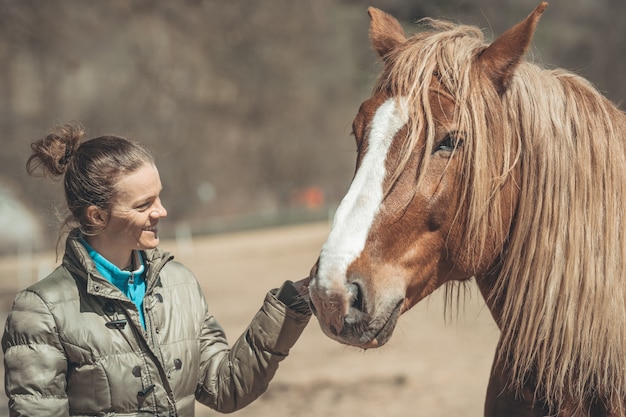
(34, 360)
(233, 377)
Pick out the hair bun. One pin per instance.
(53, 153)
(70, 151)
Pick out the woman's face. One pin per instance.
(134, 213)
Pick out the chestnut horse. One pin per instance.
(474, 164)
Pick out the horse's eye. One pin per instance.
(452, 141)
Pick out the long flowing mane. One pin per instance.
(559, 277)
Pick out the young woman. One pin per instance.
(120, 328)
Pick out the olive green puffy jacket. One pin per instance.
(74, 345)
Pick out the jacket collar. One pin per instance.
(77, 260)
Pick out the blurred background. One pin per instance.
(247, 105)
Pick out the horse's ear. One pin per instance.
(503, 56)
(385, 32)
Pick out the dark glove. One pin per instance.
(295, 295)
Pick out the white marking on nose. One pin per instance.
(356, 213)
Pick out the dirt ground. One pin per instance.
(432, 366)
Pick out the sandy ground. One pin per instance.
(432, 366)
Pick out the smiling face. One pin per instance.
(131, 222)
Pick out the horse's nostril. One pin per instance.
(357, 296)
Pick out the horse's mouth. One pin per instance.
(386, 330)
(366, 332)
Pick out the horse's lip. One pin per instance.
(384, 332)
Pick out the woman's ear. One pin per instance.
(97, 217)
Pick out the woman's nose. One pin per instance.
(159, 210)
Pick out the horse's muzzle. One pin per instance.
(342, 312)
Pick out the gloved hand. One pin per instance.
(295, 295)
(302, 286)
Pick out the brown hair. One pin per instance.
(90, 168)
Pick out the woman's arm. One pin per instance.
(233, 377)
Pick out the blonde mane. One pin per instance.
(559, 276)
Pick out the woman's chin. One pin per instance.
(149, 242)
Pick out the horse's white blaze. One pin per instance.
(358, 209)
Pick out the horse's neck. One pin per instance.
(486, 285)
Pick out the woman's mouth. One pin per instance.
(152, 229)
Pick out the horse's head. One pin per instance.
(434, 192)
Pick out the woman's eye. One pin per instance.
(452, 141)
(143, 206)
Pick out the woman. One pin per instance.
(120, 328)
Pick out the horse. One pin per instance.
(477, 166)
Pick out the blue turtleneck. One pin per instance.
(131, 283)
